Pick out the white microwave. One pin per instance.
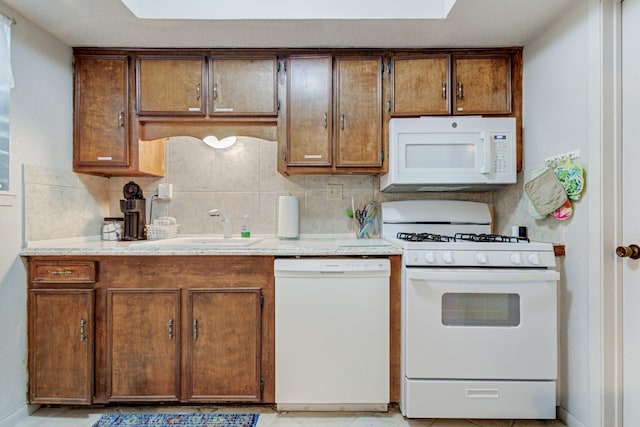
(450, 154)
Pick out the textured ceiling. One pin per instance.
(471, 23)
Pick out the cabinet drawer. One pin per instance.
(63, 271)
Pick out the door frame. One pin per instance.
(605, 214)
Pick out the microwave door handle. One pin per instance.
(487, 153)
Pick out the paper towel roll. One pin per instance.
(287, 217)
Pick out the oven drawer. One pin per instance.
(479, 399)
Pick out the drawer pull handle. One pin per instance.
(483, 393)
(460, 93)
(170, 325)
(195, 329)
(444, 90)
(83, 323)
(55, 272)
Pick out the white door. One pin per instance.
(630, 208)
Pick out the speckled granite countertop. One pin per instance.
(307, 245)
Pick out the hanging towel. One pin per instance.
(545, 192)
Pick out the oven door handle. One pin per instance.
(483, 275)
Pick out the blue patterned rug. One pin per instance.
(178, 420)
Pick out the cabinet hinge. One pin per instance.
(382, 155)
(261, 300)
(389, 67)
(278, 105)
(261, 387)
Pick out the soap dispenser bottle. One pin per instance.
(244, 231)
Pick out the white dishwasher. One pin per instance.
(332, 334)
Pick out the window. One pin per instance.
(6, 83)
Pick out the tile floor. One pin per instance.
(86, 417)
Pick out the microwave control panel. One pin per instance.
(502, 153)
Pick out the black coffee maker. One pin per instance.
(133, 208)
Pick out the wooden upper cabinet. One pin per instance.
(61, 330)
(174, 86)
(309, 110)
(359, 112)
(482, 84)
(101, 111)
(143, 344)
(421, 85)
(244, 86)
(224, 349)
(337, 125)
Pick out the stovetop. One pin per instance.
(460, 237)
(447, 233)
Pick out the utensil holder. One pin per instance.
(366, 221)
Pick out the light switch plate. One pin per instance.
(334, 191)
(165, 191)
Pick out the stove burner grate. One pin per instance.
(490, 238)
(466, 237)
(425, 237)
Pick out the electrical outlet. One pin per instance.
(334, 191)
(165, 191)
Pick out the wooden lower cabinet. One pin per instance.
(151, 329)
(144, 344)
(61, 346)
(223, 341)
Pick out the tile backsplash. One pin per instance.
(238, 180)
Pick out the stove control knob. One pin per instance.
(534, 258)
(430, 257)
(481, 258)
(447, 257)
(516, 258)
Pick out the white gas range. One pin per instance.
(479, 316)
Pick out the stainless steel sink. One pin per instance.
(199, 242)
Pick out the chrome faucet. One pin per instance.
(226, 222)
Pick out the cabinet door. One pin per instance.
(171, 86)
(359, 112)
(224, 349)
(309, 111)
(421, 85)
(61, 346)
(101, 112)
(482, 84)
(143, 344)
(244, 87)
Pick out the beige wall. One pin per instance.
(40, 131)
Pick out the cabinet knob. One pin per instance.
(460, 93)
(170, 327)
(83, 323)
(632, 251)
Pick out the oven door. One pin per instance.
(480, 324)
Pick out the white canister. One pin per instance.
(287, 217)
